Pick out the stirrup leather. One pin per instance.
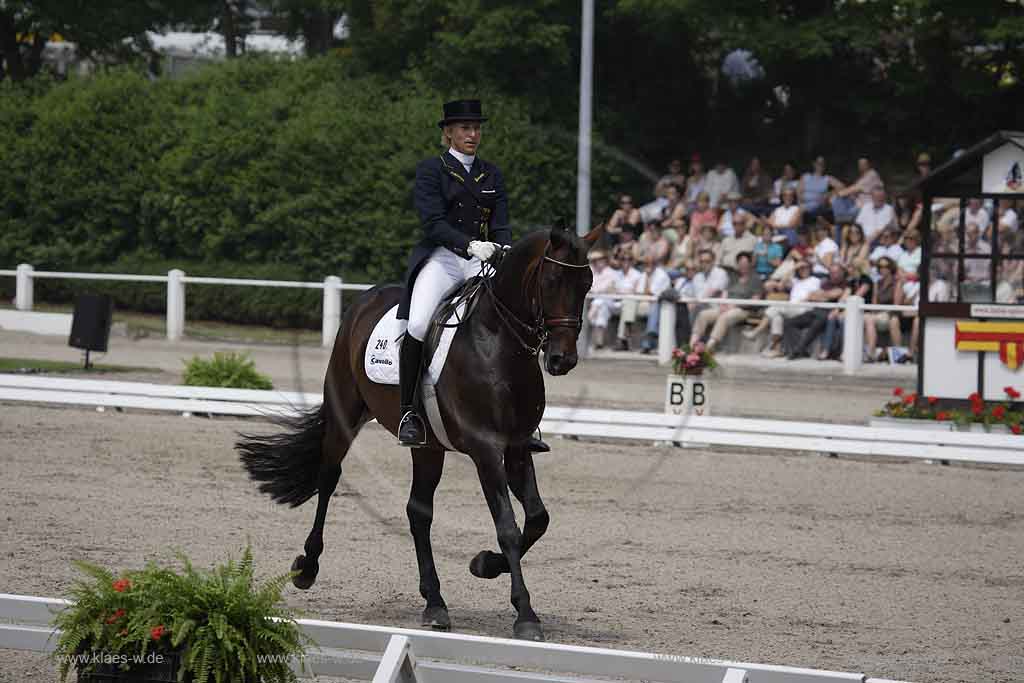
(411, 430)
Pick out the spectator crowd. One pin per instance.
(799, 238)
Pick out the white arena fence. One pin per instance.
(614, 425)
(387, 655)
(332, 286)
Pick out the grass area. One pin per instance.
(141, 325)
(39, 365)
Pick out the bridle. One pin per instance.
(541, 327)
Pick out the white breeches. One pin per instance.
(442, 272)
(601, 310)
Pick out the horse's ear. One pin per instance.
(560, 225)
(592, 237)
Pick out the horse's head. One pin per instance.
(564, 278)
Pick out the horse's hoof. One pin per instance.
(436, 618)
(307, 578)
(487, 565)
(528, 630)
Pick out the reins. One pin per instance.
(541, 327)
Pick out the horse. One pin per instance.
(491, 399)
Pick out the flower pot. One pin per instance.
(981, 428)
(156, 667)
(910, 423)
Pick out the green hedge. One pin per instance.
(252, 167)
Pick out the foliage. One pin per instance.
(687, 360)
(228, 369)
(226, 628)
(909, 405)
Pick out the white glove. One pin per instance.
(482, 250)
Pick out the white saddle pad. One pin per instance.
(381, 360)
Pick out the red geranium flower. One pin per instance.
(898, 391)
(1015, 429)
(1011, 392)
(932, 400)
(976, 409)
(974, 398)
(910, 399)
(999, 412)
(121, 585)
(115, 616)
(157, 631)
(942, 416)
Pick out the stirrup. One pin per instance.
(415, 431)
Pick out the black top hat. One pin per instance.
(461, 110)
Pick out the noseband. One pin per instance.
(542, 326)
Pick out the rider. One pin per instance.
(463, 209)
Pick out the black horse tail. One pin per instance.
(287, 463)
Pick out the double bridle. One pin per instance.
(542, 326)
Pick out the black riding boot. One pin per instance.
(411, 431)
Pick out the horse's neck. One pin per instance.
(513, 285)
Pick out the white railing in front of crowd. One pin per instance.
(332, 286)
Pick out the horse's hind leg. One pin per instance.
(522, 480)
(345, 416)
(427, 466)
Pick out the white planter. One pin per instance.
(908, 423)
(979, 428)
(687, 395)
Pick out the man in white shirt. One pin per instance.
(606, 281)
(976, 213)
(1007, 216)
(720, 181)
(629, 283)
(876, 215)
(732, 211)
(737, 243)
(654, 282)
(804, 283)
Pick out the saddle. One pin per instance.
(447, 315)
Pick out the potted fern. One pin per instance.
(157, 624)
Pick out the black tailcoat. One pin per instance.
(455, 209)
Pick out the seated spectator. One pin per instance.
(673, 177)
(876, 215)
(787, 218)
(732, 209)
(740, 242)
(652, 244)
(675, 210)
(854, 247)
(708, 239)
(606, 281)
(694, 182)
(909, 261)
(720, 181)
(849, 200)
(774, 316)
(888, 247)
(1010, 283)
(857, 284)
(976, 213)
(799, 332)
(768, 251)
(1006, 215)
(814, 189)
(756, 188)
(977, 277)
(745, 284)
(627, 243)
(906, 293)
(625, 217)
(709, 282)
(703, 215)
(905, 212)
(788, 181)
(655, 282)
(629, 283)
(826, 251)
(884, 293)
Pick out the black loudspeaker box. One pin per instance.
(90, 327)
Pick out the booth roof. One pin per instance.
(958, 165)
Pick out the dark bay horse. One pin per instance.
(490, 395)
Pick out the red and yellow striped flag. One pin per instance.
(1006, 338)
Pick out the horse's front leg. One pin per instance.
(427, 466)
(522, 480)
(494, 483)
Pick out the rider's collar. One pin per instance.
(465, 159)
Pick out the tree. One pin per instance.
(314, 20)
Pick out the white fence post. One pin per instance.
(853, 335)
(332, 309)
(23, 294)
(666, 331)
(175, 304)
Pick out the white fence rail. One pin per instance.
(332, 286)
(779, 435)
(382, 653)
